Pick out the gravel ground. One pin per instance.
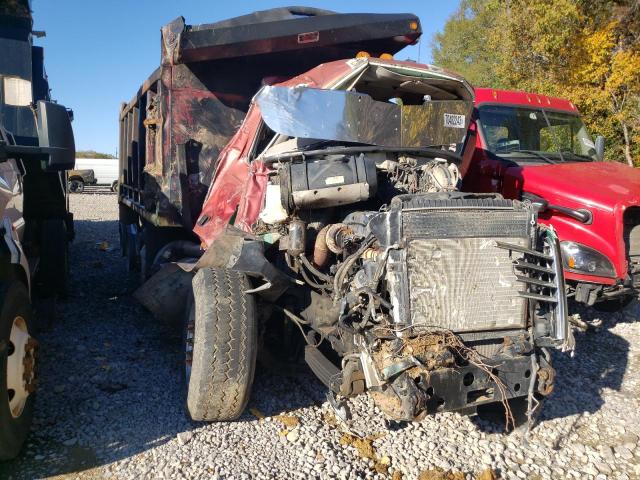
(110, 403)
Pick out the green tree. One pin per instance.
(465, 45)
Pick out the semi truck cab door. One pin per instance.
(481, 170)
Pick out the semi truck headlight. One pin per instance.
(581, 259)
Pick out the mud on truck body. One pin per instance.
(335, 209)
(36, 147)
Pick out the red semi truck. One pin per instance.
(534, 147)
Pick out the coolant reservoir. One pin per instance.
(273, 211)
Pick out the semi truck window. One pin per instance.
(524, 134)
(556, 137)
(17, 92)
(509, 129)
(568, 134)
(493, 134)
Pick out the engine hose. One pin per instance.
(320, 249)
(314, 270)
(343, 270)
(308, 280)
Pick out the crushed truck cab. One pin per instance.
(332, 210)
(536, 148)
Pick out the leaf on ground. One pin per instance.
(487, 474)
(288, 421)
(439, 474)
(330, 419)
(364, 446)
(397, 475)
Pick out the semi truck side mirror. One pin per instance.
(55, 136)
(600, 148)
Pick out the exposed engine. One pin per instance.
(424, 292)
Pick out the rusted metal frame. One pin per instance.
(127, 147)
(121, 163)
(181, 164)
(151, 217)
(141, 140)
(147, 85)
(135, 164)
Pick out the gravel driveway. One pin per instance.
(110, 403)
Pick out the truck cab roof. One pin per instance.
(515, 97)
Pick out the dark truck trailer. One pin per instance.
(36, 149)
(262, 202)
(173, 130)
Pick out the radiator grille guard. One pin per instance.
(455, 264)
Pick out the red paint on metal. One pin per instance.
(512, 97)
(606, 189)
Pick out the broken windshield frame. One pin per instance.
(345, 116)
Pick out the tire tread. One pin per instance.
(225, 343)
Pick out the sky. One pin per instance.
(98, 53)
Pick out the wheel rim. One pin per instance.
(75, 186)
(20, 366)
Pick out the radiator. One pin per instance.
(456, 270)
(464, 284)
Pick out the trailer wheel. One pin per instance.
(17, 370)
(76, 185)
(220, 345)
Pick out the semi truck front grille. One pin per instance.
(632, 241)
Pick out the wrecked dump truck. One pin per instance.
(332, 213)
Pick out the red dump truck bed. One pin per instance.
(172, 131)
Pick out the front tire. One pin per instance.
(17, 370)
(220, 345)
(76, 186)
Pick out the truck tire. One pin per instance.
(114, 187)
(220, 345)
(76, 185)
(17, 352)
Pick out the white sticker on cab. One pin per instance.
(453, 120)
